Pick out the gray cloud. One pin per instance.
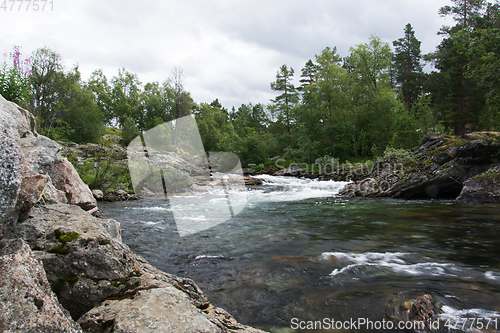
(228, 49)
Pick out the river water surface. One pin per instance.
(298, 251)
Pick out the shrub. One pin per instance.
(102, 171)
(398, 155)
(327, 160)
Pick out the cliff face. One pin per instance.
(63, 269)
(439, 167)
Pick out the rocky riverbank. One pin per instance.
(64, 269)
(466, 169)
(105, 167)
(442, 166)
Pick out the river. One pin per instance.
(299, 251)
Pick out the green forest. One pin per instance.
(351, 107)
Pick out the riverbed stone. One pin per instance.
(424, 309)
(250, 181)
(98, 194)
(27, 304)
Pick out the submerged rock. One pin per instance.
(422, 311)
(253, 181)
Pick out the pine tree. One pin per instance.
(308, 74)
(457, 97)
(465, 12)
(285, 102)
(407, 65)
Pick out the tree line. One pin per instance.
(352, 107)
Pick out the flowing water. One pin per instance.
(298, 251)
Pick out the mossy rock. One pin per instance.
(60, 249)
(492, 174)
(104, 242)
(66, 237)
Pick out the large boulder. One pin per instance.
(27, 304)
(165, 309)
(439, 167)
(89, 267)
(43, 157)
(40, 153)
(11, 175)
(91, 257)
(65, 178)
(24, 153)
(482, 188)
(15, 122)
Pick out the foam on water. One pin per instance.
(294, 189)
(154, 208)
(469, 320)
(395, 261)
(492, 276)
(283, 189)
(450, 312)
(207, 257)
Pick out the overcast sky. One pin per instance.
(227, 49)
